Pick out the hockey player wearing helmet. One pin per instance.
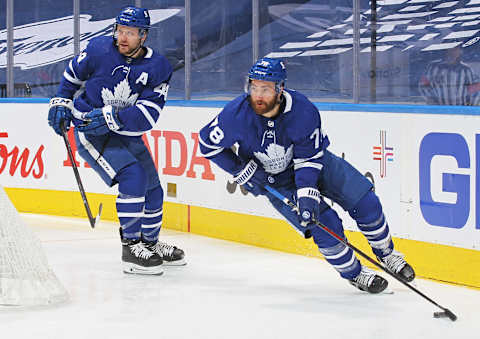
(114, 92)
(265, 83)
(281, 143)
(130, 31)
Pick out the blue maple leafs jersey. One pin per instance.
(289, 146)
(101, 76)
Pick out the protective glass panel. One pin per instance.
(294, 30)
(414, 52)
(410, 51)
(3, 49)
(42, 39)
(221, 47)
(167, 37)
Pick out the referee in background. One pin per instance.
(450, 81)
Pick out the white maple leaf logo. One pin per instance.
(276, 160)
(121, 97)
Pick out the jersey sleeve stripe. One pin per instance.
(212, 153)
(207, 145)
(147, 115)
(74, 81)
(130, 133)
(150, 104)
(308, 164)
(70, 66)
(316, 156)
(78, 114)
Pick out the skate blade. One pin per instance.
(388, 290)
(180, 262)
(135, 269)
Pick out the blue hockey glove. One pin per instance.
(308, 200)
(253, 178)
(100, 121)
(60, 112)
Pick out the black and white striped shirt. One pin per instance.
(447, 84)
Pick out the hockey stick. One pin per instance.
(93, 221)
(445, 311)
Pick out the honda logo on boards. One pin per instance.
(177, 160)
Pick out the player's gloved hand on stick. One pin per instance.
(100, 121)
(308, 200)
(60, 112)
(253, 178)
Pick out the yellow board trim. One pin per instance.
(433, 261)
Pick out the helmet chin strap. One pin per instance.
(140, 45)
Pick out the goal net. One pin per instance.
(25, 276)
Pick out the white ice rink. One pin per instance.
(227, 290)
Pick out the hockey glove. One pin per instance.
(253, 178)
(100, 121)
(60, 112)
(308, 199)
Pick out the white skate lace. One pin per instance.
(140, 251)
(165, 249)
(365, 277)
(394, 262)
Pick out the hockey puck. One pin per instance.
(439, 314)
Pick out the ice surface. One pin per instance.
(227, 290)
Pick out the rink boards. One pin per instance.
(422, 160)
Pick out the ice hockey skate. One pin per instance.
(172, 255)
(395, 263)
(138, 259)
(369, 281)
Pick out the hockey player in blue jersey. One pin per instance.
(119, 88)
(280, 143)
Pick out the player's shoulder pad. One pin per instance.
(237, 107)
(303, 116)
(301, 106)
(158, 62)
(100, 46)
(234, 115)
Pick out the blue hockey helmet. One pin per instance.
(268, 69)
(134, 17)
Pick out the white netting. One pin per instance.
(25, 276)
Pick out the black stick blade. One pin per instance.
(445, 314)
(450, 314)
